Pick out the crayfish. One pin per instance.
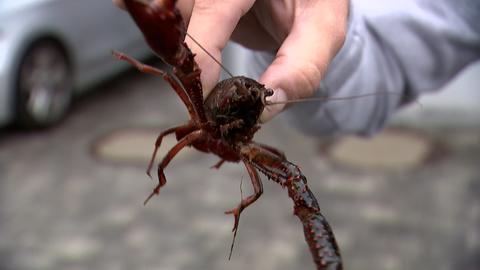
(224, 124)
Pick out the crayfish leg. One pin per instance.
(257, 192)
(218, 164)
(166, 76)
(244, 203)
(187, 140)
(158, 142)
(274, 150)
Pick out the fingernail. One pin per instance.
(270, 111)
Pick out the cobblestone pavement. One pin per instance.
(62, 207)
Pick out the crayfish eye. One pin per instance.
(268, 92)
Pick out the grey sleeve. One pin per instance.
(402, 47)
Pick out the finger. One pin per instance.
(251, 34)
(316, 36)
(119, 3)
(185, 7)
(211, 24)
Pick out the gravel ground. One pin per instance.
(71, 197)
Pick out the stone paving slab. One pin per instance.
(63, 208)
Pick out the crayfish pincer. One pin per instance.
(224, 124)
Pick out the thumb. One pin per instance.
(316, 36)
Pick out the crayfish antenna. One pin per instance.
(326, 98)
(209, 54)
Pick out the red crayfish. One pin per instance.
(224, 124)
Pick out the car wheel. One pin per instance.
(44, 85)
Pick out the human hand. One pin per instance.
(305, 35)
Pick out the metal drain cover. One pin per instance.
(390, 150)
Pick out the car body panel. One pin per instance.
(88, 30)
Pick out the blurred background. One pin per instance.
(78, 128)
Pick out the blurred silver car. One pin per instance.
(50, 49)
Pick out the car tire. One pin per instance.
(44, 85)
